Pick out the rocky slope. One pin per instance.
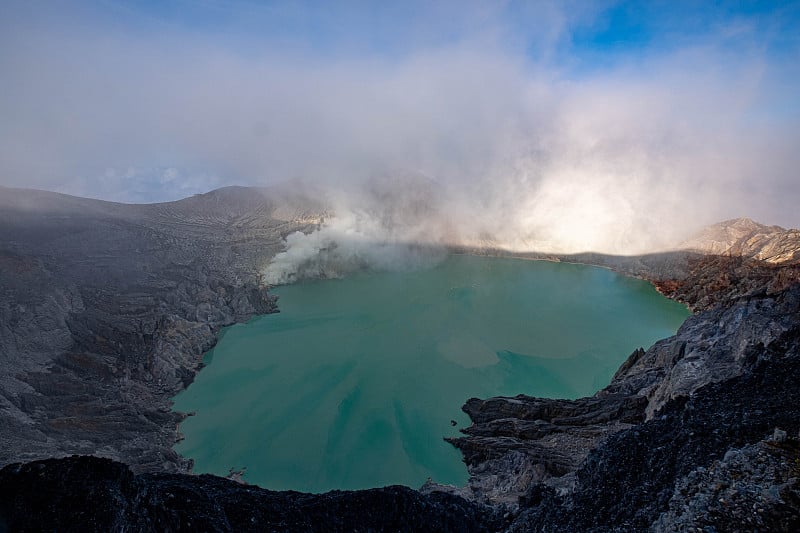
(745, 238)
(107, 309)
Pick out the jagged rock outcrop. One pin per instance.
(713, 280)
(753, 488)
(630, 481)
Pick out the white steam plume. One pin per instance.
(339, 248)
(384, 224)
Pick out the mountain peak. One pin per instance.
(747, 238)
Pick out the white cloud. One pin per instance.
(527, 151)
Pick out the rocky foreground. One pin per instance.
(107, 309)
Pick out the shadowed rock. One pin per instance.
(92, 494)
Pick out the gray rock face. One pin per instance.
(629, 481)
(521, 441)
(746, 490)
(107, 309)
(710, 346)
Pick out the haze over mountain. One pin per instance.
(606, 126)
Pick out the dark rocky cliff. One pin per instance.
(107, 309)
(92, 494)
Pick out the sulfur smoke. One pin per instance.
(384, 224)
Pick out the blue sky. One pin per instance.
(585, 30)
(512, 102)
(594, 30)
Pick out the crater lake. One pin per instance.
(356, 381)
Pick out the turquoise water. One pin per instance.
(355, 382)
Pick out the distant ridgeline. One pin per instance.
(745, 238)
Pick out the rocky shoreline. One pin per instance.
(107, 310)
